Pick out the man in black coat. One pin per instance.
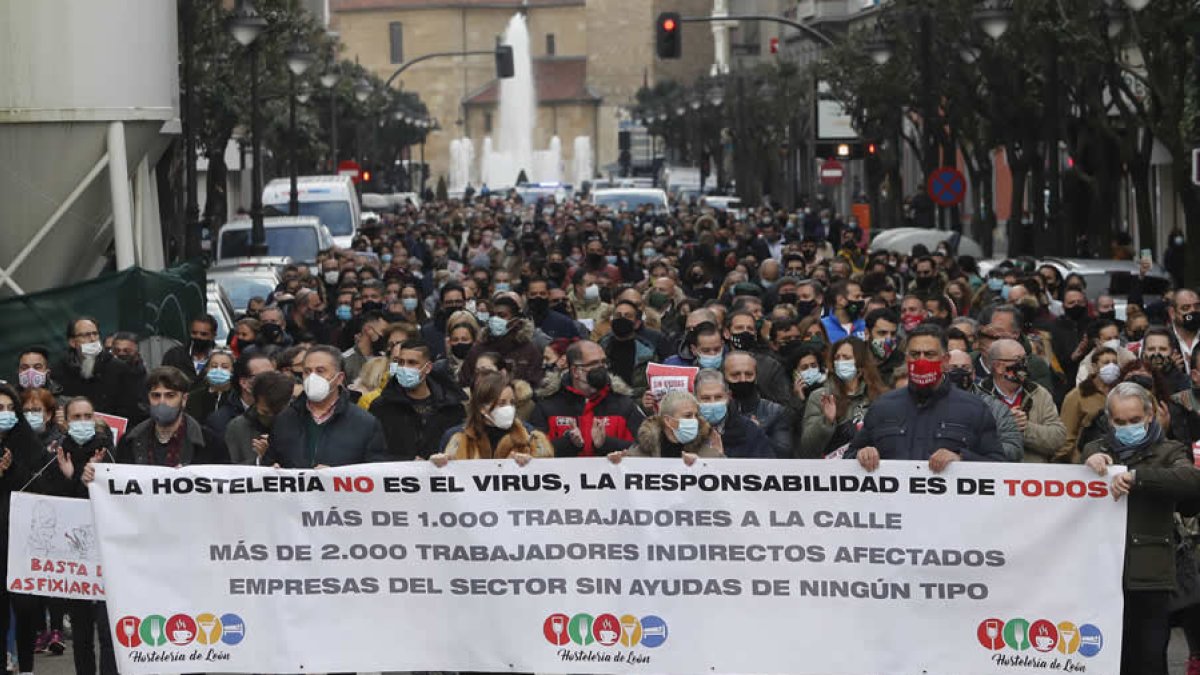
(170, 437)
(322, 427)
(88, 370)
(190, 359)
(418, 404)
(930, 419)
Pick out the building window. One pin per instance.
(549, 44)
(396, 35)
(487, 123)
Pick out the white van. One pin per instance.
(300, 238)
(332, 199)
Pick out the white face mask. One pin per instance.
(503, 416)
(1109, 373)
(331, 277)
(91, 349)
(1113, 344)
(591, 293)
(316, 388)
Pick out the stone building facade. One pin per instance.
(590, 59)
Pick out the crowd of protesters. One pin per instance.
(492, 328)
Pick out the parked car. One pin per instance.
(221, 309)
(632, 199)
(1103, 277)
(244, 281)
(300, 238)
(902, 239)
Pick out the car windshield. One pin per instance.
(334, 215)
(297, 242)
(242, 288)
(633, 200)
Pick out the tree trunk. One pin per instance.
(1139, 175)
(1037, 205)
(1189, 195)
(1019, 170)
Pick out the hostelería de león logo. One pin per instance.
(1038, 643)
(159, 637)
(609, 638)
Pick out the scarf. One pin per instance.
(1127, 452)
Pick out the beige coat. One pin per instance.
(650, 439)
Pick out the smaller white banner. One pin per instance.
(52, 548)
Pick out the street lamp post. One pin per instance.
(329, 80)
(362, 92)
(246, 25)
(298, 61)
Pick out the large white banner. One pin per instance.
(581, 566)
(52, 548)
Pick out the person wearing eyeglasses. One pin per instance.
(586, 412)
(87, 369)
(1031, 404)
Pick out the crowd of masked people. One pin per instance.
(497, 329)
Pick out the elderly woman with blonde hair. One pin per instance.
(678, 430)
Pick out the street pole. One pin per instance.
(333, 131)
(423, 171)
(191, 211)
(294, 194)
(258, 234)
(929, 108)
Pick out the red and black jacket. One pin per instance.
(565, 409)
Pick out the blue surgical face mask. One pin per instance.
(386, 258)
(1005, 290)
(648, 252)
(995, 284)
(706, 361)
(612, 259)
(393, 368)
(8, 420)
(1130, 434)
(407, 377)
(497, 325)
(812, 376)
(688, 430)
(81, 431)
(218, 377)
(37, 420)
(503, 286)
(409, 304)
(344, 313)
(714, 412)
(483, 316)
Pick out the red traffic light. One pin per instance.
(366, 176)
(871, 148)
(669, 24)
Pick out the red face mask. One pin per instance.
(911, 321)
(924, 373)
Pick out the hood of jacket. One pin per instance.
(516, 336)
(552, 385)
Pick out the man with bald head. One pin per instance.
(1032, 406)
(741, 374)
(961, 373)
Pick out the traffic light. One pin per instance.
(504, 62)
(872, 149)
(774, 45)
(669, 40)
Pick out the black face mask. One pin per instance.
(380, 345)
(1190, 322)
(1160, 362)
(854, 308)
(790, 350)
(787, 298)
(201, 346)
(1136, 335)
(539, 306)
(270, 333)
(805, 307)
(924, 282)
(595, 260)
(1076, 313)
(742, 391)
(622, 327)
(597, 378)
(1110, 315)
(372, 306)
(959, 377)
(557, 270)
(460, 350)
(1017, 372)
(561, 308)
(744, 341)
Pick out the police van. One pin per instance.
(332, 199)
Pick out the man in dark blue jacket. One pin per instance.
(322, 427)
(930, 419)
(740, 436)
(552, 323)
